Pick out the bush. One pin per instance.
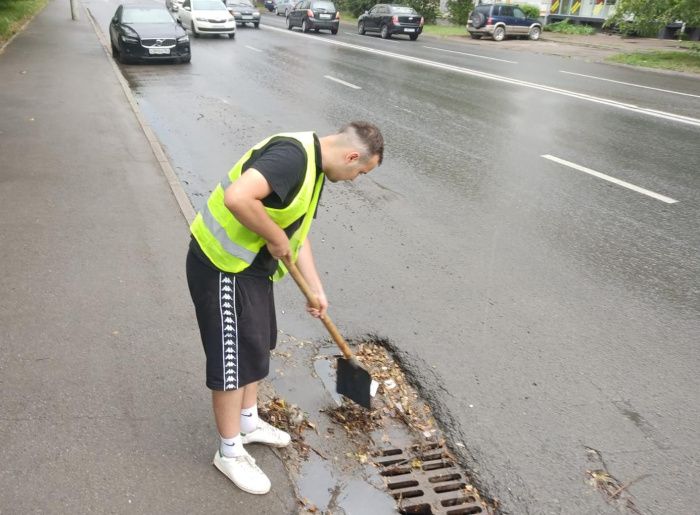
(355, 7)
(531, 11)
(459, 11)
(429, 9)
(564, 27)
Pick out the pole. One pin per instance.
(74, 9)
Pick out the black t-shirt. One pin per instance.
(283, 164)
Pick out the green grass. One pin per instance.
(564, 27)
(678, 61)
(13, 14)
(445, 30)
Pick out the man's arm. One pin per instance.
(307, 267)
(244, 199)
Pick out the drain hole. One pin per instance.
(409, 494)
(416, 509)
(389, 452)
(396, 471)
(402, 484)
(431, 457)
(457, 501)
(386, 463)
(442, 465)
(449, 488)
(446, 477)
(465, 511)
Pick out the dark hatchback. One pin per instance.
(147, 33)
(390, 19)
(314, 15)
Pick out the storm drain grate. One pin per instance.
(424, 480)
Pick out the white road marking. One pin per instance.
(342, 82)
(467, 71)
(471, 55)
(253, 48)
(631, 84)
(404, 109)
(624, 184)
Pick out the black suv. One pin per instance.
(314, 15)
(501, 20)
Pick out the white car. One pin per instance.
(206, 17)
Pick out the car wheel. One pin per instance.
(122, 58)
(413, 36)
(334, 31)
(232, 35)
(186, 59)
(115, 51)
(385, 32)
(475, 36)
(499, 33)
(256, 25)
(535, 33)
(194, 30)
(289, 23)
(304, 26)
(361, 28)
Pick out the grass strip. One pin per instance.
(14, 13)
(677, 61)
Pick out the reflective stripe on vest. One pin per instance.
(230, 245)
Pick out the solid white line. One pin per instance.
(342, 82)
(253, 48)
(404, 109)
(467, 71)
(472, 55)
(631, 84)
(624, 184)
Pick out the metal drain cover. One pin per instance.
(424, 480)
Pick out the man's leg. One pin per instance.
(227, 411)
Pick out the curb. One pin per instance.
(181, 197)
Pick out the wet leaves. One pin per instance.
(289, 418)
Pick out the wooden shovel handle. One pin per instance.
(330, 326)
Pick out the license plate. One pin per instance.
(155, 51)
(247, 17)
(325, 16)
(409, 30)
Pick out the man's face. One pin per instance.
(350, 166)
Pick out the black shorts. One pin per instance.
(236, 317)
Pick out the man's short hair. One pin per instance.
(368, 135)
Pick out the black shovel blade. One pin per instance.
(353, 381)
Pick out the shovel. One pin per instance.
(352, 380)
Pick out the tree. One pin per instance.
(459, 11)
(647, 17)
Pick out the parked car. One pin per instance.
(500, 21)
(243, 12)
(389, 19)
(206, 17)
(147, 33)
(269, 5)
(173, 5)
(314, 15)
(282, 7)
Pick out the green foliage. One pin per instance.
(531, 11)
(355, 7)
(564, 27)
(680, 61)
(429, 9)
(459, 11)
(648, 17)
(13, 13)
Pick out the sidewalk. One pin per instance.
(103, 406)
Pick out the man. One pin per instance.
(259, 214)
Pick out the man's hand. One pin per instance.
(323, 306)
(279, 250)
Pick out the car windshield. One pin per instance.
(328, 6)
(146, 15)
(241, 3)
(208, 5)
(400, 9)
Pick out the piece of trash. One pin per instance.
(459, 444)
(390, 384)
(373, 388)
(471, 405)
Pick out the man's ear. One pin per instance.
(352, 156)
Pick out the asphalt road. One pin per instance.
(546, 311)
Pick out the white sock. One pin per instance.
(249, 419)
(231, 447)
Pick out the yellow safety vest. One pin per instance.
(231, 246)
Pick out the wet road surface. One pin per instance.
(545, 310)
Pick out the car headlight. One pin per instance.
(127, 39)
(236, 13)
(230, 19)
(201, 19)
(183, 39)
(256, 14)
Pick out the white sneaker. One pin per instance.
(244, 473)
(267, 434)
